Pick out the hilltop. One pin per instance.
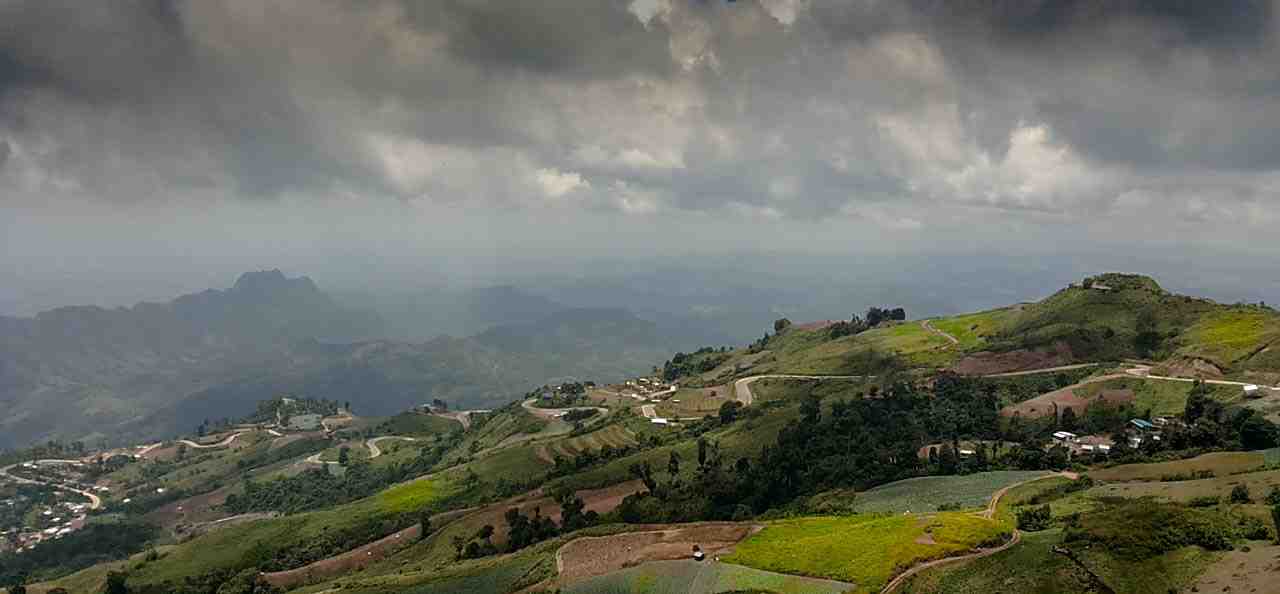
(846, 456)
(1106, 318)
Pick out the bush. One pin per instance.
(1205, 501)
(1273, 498)
(1034, 519)
(1144, 528)
(1240, 494)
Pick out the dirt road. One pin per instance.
(989, 513)
(372, 444)
(1144, 371)
(222, 444)
(1042, 370)
(742, 387)
(927, 326)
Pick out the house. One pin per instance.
(1142, 425)
(1064, 436)
(307, 422)
(1251, 391)
(659, 421)
(967, 453)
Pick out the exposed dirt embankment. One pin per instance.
(987, 363)
(592, 556)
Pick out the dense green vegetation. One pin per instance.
(95, 543)
(692, 577)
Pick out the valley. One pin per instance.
(904, 456)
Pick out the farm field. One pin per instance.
(1259, 484)
(615, 436)
(414, 424)
(1032, 566)
(796, 389)
(925, 494)
(695, 402)
(706, 577)
(865, 550)
(1229, 336)
(1221, 463)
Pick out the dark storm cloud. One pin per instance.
(890, 111)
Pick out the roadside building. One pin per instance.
(1251, 391)
(1064, 436)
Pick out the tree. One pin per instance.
(344, 455)
(1069, 419)
(182, 451)
(1197, 402)
(116, 583)
(424, 524)
(780, 325)
(947, 459)
(673, 465)
(1148, 338)
(729, 412)
(1240, 494)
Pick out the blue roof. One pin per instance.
(1141, 424)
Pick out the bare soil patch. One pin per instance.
(1192, 367)
(1257, 570)
(179, 515)
(1064, 398)
(592, 556)
(986, 362)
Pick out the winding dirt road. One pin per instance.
(372, 444)
(95, 502)
(989, 513)
(927, 326)
(222, 444)
(742, 387)
(1144, 371)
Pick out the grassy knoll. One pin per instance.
(701, 578)
(1221, 463)
(925, 494)
(1162, 398)
(865, 550)
(695, 402)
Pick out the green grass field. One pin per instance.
(1033, 567)
(865, 550)
(695, 402)
(1231, 335)
(616, 435)
(925, 494)
(417, 425)
(795, 390)
(1161, 397)
(1221, 463)
(1259, 484)
(972, 330)
(692, 577)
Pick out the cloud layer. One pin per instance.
(1124, 115)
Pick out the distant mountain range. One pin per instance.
(158, 368)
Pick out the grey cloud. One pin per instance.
(1069, 107)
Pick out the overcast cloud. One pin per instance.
(737, 124)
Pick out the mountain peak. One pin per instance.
(266, 281)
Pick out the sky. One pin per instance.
(148, 146)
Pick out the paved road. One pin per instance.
(929, 327)
(95, 502)
(222, 444)
(742, 387)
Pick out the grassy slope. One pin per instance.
(864, 549)
(975, 329)
(1222, 463)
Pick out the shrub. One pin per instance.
(1240, 494)
(1034, 519)
(1273, 498)
(1205, 501)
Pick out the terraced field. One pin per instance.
(706, 577)
(865, 550)
(1221, 463)
(616, 436)
(925, 494)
